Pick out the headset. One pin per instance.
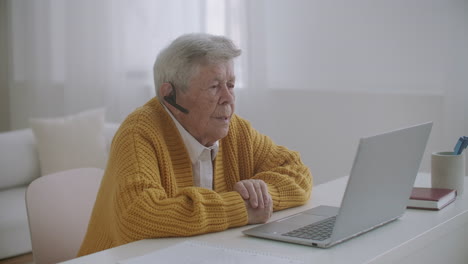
(171, 99)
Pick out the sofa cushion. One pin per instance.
(14, 228)
(71, 142)
(19, 164)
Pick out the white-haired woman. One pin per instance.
(184, 164)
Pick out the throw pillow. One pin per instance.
(70, 142)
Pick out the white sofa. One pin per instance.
(19, 166)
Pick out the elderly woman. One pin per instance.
(184, 164)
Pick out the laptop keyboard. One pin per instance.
(317, 231)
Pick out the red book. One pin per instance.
(431, 198)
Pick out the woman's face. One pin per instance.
(210, 101)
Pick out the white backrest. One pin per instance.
(59, 207)
(19, 162)
(109, 131)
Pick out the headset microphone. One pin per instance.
(171, 99)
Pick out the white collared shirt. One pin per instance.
(201, 157)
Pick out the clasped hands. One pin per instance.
(257, 200)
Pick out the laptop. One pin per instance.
(378, 190)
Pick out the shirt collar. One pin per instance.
(194, 148)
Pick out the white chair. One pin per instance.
(59, 206)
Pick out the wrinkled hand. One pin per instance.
(258, 215)
(255, 191)
(257, 200)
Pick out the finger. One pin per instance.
(240, 188)
(249, 185)
(266, 194)
(258, 190)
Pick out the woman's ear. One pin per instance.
(165, 89)
(168, 93)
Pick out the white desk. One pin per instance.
(419, 236)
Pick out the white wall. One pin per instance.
(325, 126)
(325, 73)
(4, 91)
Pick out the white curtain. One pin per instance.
(68, 56)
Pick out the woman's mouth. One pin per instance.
(223, 118)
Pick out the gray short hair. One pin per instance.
(177, 63)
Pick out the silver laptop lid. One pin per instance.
(387, 164)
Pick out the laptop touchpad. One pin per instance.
(302, 219)
(293, 222)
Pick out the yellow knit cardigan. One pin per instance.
(147, 190)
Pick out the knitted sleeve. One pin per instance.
(148, 201)
(289, 180)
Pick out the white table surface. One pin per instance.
(414, 238)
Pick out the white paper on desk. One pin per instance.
(191, 252)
